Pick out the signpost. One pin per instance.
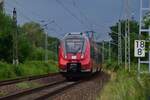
(139, 48)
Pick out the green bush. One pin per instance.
(112, 66)
(126, 86)
(39, 54)
(35, 68)
(8, 71)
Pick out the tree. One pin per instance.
(35, 33)
(6, 40)
(31, 38)
(134, 31)
(24, 47)
(5, 37)
(36, 36)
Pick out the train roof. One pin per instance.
(74, 34)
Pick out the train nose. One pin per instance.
(74, 57)
(74, 67)
(78, 56)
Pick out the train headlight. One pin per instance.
(82, 56)
(65, 57)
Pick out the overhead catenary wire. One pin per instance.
(86, 20)
(19, 12)
(70, 12)
(24, 16)
(36, 14)
(30, 11)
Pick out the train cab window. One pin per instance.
(74, 45)
(92, 51)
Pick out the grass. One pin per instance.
(9, 71)
(125, 86)
(2, 93)
(36, 68)
(27, 85)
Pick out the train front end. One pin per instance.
(74, 55)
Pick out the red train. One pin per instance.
(79, 54)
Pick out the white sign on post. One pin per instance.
(139, 48)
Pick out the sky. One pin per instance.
(63, 16)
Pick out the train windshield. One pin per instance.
(74, 45)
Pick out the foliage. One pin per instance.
(38, 54)
(36, 36)
(35, 33)
(5, 37)
(27, 85)
(125, 85)
(115, 67)
(24, 48)
(30, 41)
(30, 47)
(147, 20)
(8, 71)
(35, 68)
(134, 27)
(6, 40)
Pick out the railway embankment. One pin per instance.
(125, 85)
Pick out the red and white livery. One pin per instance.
(78, 54)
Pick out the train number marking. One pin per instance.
(74, 57)
(139, 48)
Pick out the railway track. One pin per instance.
(46, 91)
(42, 92)
(57, 91)
(17, 80)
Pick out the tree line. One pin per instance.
(31, 38)
(134, 35)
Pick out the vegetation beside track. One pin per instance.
(9, 71)
(27, 85)
(31, 49)
(125, 85)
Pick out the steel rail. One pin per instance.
(57, 91)
(29, 78)
(15, 96)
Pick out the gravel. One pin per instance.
(9, 89)
(88, 90)
(85, 91)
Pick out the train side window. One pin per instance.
(92, 51)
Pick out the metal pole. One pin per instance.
(119, 44)
(149, 50)
(127, 37)
(15, 38)
(140, 26)
(46, 50)
(129, 59)
(103, 52)
(125, 44)
(14, 20)
(109, 50)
